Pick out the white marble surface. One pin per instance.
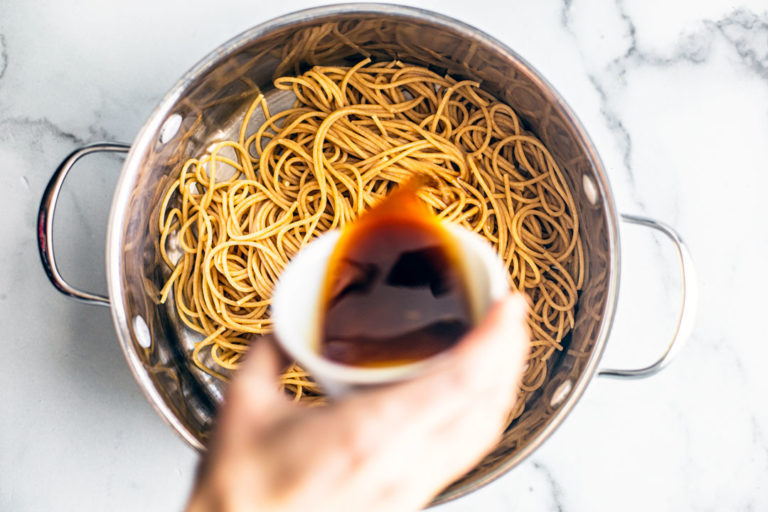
(675, 96)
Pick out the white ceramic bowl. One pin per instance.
(296, 309)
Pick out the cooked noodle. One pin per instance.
(242, 210)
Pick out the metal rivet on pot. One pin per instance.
(141, 331)
(560, 393)
(170, 128)
(590, 190)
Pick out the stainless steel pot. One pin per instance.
(208, 103)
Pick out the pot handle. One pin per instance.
(688, 303)
(45, 221)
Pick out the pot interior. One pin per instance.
(210, 102)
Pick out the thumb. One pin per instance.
(493, 354)
(253, 395)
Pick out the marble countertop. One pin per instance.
(675, 96)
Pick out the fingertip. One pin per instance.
(503, 337)
(515, 305)
(508, 317)
(255, 383)
(261, 360)
(516, 308)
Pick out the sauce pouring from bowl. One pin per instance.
(395, 291)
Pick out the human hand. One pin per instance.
(383, 449)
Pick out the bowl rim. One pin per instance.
(146, 136)
(305, 272)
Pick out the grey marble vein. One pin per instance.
(759, 439)
(26, 135)
(613, 119)
(631, 29)
(565, 13)
(744, 30)
(690, 50)
(748, 33)
(3, 56)
(555, 491)
(11, 126)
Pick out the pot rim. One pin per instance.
(146, 136)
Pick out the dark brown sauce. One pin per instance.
(394, 292)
